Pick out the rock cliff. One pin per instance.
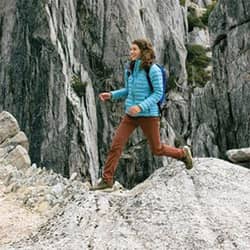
(220, 111)
(44, 44)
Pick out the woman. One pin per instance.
(141, 111)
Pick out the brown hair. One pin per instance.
(147, 52)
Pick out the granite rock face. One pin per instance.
(44, 44)
(38, 58)
(220, 112)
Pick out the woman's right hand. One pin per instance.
(105, 96)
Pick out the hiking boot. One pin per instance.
(102, 185)
(188, 159)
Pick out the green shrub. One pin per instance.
(171, 82)
(182, 2)
(194, 20)
(200, 22)
(78, 86)
(197, 76)
(197, 55)
(197, 61)
(206, 15)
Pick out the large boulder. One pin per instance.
(14, 144)
(207, 207)
(9, 126)
(18, 157)
(239, 155)
(19, 139)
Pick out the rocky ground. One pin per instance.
(16, 221)
(205, 208)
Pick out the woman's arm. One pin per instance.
(121, 93)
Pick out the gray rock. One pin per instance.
(223, 106)
(13, 143)
(11, 188)
(199, 11)
(58, 190)
(18, 157)
(239, 155)
(200, 37)
(202, 3)
(19, 139)
(4, 152)
(73, 176)
(91, 40)
(51, 199)
(8, 126)
(205, 208)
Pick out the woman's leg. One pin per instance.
(121, 136)
(151, 129)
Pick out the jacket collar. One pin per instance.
(137, 66)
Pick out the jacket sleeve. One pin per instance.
(123, 92)
(156, 80)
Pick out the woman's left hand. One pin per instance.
(134, 110)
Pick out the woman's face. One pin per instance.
(135, 52)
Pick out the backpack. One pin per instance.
(163, 99)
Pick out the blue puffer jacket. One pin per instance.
(137, 90)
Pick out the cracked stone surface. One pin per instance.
(205, 208)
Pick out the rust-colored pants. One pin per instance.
(151, 129)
